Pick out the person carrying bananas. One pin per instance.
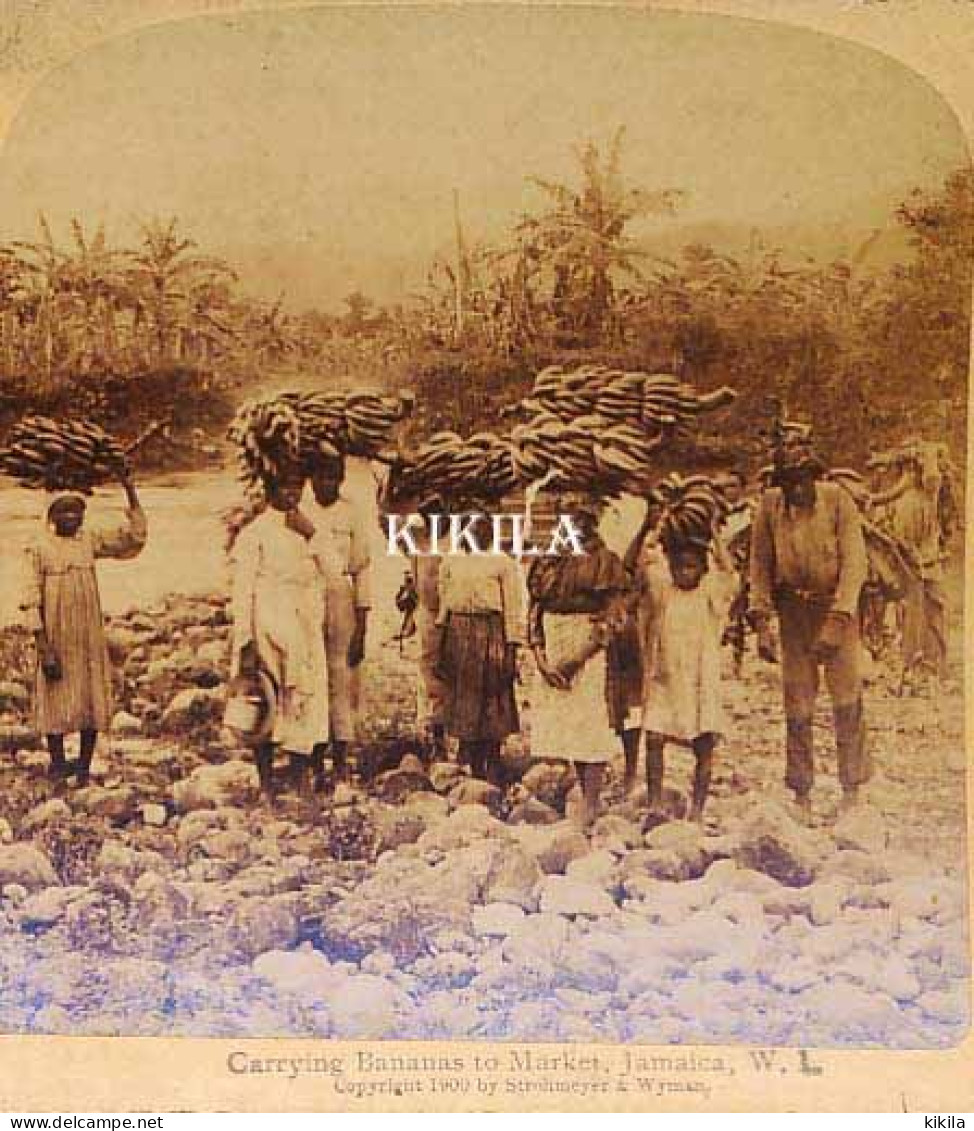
(808, 565)
(340, 547)
(481, 621)
(277, 617)
(685, 595)
(915, 518)
(63, 607)
(577, 605)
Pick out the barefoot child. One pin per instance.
(685, 600)
(74, 679)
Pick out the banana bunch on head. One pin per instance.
(598, 429)
(692, 508)
(267, 434)
(293, 429)
(56, 455)
(653, 401)
(451, 466)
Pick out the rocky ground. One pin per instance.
(164, 899)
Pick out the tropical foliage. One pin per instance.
(865, 352)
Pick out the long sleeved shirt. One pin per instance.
(52, 557)
(480, 583)
(340, 546)
(818, 551)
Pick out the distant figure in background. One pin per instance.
(340, 547)
(808, 564)
(913, 506)
(481, 619)
(63, 607)
(277, 619)
(739, 515)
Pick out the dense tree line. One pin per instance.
(862, 352)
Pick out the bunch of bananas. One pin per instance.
(68, 455)
(590, 453)
(692, 507)
(267, 434)
(301, 429)
(655, 401)
(455, 467)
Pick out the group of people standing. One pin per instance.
(626, 651)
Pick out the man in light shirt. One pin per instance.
(340, 546)
(808, 565)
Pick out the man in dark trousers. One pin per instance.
(808, 565)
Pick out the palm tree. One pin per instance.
(169, 276)
(95, 276)
(44, 262)
(17, 303)
(583, 236)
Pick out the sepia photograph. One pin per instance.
(482, 495)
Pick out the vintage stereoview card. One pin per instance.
(482, 571)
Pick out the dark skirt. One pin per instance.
(479, 700)
(623, 675)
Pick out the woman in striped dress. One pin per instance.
(63, 607)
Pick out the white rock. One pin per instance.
(497, 919)
(306, 973)
(948, 1006)
(794, 975)
(154, 815)
(741, 907)
(553, 846)
(366, 1007)
(560, 895)
(863, 829)
(771, 841)
(825, 900)
(53, 812)
(231, 783)
(611, 830)
(45, 908)
(15, 893)
(540, 937)
(26, 865)
(191, 707)
(125, 724)
(600, 869)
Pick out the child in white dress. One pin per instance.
(685, 598)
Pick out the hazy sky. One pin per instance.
(320, 148)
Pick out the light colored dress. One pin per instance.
(341, 550)
(63, 600)
(681, 651)
(575, 723)
(278, 605)
(572, 724)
